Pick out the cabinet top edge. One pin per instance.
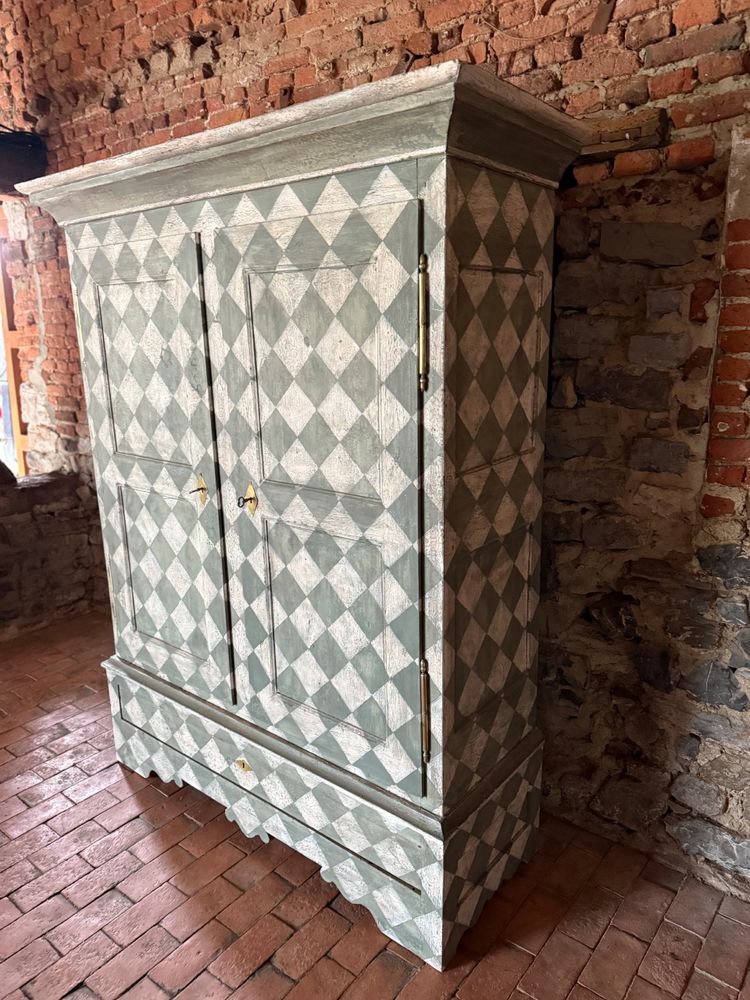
(435, 93)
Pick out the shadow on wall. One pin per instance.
(645, 679)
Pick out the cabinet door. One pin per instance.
(140, 314)
(317, 412)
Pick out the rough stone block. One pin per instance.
(665, 350)
(658, 244)
(589, 486)
(704, 839)
(727, 563)
(714, 683)
(582, 336)
(649, 390)
(699, 796)
(610, 531)
(653, 667)
(663, 301)
(657, 455)
(733, 611)
(632, 803)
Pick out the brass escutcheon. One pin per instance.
(250, 500)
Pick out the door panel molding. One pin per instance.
(331, 451)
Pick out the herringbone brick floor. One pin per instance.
(114, 886)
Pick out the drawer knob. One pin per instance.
(243, 765)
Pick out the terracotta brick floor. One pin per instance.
(112, 886)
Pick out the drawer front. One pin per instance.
(385, 842)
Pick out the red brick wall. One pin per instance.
(645, 680)
(729, 444)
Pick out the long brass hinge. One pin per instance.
(423, 362)
(424, 709)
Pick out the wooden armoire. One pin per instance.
(315, 350)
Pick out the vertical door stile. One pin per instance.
(423, 367)
(217, 468)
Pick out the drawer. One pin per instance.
(385, 842)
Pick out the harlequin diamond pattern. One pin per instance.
(364, 188)
(148, 365)
(422, 891)
(139, 314)
(496, 379)
(168, 583)
(491, 620)
(328, 624)
(317, 401)
(500, 237)
(499, 501)
(375, 858)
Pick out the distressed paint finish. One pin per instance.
(138, 308)
(267, 336)
(499, 232)
(423, 889)
(317, 409)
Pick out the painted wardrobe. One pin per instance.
(315, 351)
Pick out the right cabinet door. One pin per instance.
(315, 318)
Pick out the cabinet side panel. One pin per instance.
(499, 235)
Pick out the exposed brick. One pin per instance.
(26, 964)
(81, 924)
(33, 925)
(719, 65)
(160, 870)
(704, 111)
(691, 13)
(384, 977)
(41, 888)
(725, 475)
(200, 908)
(591, 173)
(676, 81)
(670, 957)
(735, 314)
(684, 46)
(729, 424)
(130, 964)
(496, 975)
(137, 919)
(735, 285)
(716, 506)
(737, 256)
(207, 867)
(641, 161)
(359, 946)
(310, 943)
(554, 971)
(190, 958)
(61, 978)
(738, 229)
(305, 901)
(726, 952)
(250, 951)
(260, 898)
(644, 31)
(325, 981)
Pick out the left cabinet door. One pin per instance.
(146, 366)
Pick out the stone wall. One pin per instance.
(645, 682)
(49, 551)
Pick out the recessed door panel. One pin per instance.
(144, 338)
(317, 410)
